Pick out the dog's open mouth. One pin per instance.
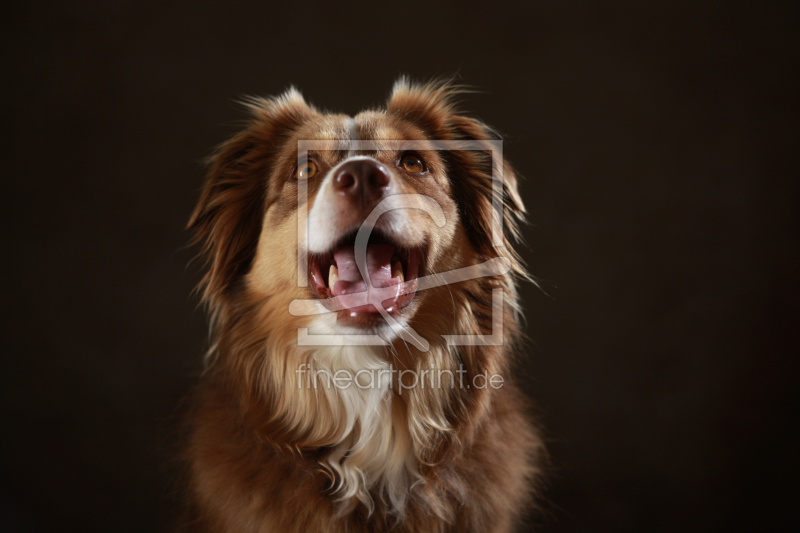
(392, 273)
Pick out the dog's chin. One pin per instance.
(364, 321)
(373, 324)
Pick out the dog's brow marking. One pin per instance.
(352, 135)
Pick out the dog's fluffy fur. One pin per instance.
(265, 451)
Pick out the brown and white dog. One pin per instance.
(298, 295)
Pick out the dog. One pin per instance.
(364, 319)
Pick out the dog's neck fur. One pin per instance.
(377, 434)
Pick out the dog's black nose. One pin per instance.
(362, 178)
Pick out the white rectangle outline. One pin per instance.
(493, 146)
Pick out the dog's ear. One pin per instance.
(426, 105)
(228, 217)
(431, 107)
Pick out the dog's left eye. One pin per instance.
(308, 171)
(412, 163)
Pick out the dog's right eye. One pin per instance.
(307, 171)
(412, 163)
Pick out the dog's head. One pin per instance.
(351, 213)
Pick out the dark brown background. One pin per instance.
(659, 145)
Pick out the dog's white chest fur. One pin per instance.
(374, 452)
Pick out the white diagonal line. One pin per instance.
(493, 267)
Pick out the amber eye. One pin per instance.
(412, 163)
(307, 171)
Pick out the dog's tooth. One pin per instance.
(333, 276)
(397, 272)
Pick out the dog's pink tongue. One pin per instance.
(379, 267)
